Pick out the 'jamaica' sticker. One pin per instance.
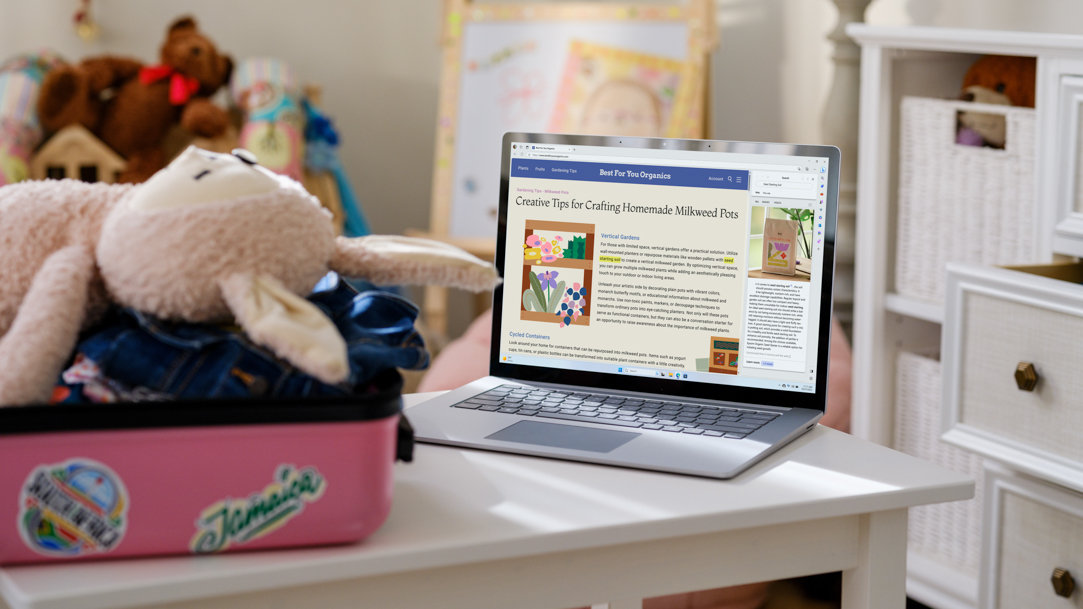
(238, 521)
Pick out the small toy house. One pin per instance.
(76, 153)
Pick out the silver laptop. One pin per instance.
(666, 304)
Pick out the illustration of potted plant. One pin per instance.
(544, 292)
(801, 216)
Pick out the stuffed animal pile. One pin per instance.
(211, 237)
(131, 106)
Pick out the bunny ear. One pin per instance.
(394, 260)
(292, 327)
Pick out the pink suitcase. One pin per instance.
(110, 480)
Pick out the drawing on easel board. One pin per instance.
(614, 69)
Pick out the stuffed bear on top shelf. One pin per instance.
(131, 107)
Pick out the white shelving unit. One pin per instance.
(930, 62)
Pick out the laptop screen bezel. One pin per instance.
(816, 400)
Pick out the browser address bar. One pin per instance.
(589, 158)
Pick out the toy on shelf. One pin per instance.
(74, 152)
(210, 237)
(131, 107)
(267, 93)
(98, 136)
(20, 132)
(321, 155)
(1000, 80)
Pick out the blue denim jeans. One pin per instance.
(134, 356)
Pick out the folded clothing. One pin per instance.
(132, 356)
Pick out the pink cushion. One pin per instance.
(467, 358)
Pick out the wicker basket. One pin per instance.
(961, 203)
(947, 533)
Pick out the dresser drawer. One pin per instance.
(1003, 328)
(1035, 537)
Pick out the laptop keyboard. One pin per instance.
(621, 411)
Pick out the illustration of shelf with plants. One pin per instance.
(558, 265)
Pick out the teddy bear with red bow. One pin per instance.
(131, 106)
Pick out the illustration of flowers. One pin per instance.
(544, 292)
(540, 248)
(571, 306)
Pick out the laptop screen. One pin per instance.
(681, 267)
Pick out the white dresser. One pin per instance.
(1013, 393)
(941, 327)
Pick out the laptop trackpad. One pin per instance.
(563, 436)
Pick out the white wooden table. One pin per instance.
(471, 530)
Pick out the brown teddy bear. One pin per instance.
(1001, 79)
(131, 107)
(994, 79)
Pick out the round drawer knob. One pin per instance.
(1026, 376)
(1063, 584)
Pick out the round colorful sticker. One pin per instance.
(73, 508)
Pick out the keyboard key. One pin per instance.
(651, 426)
(726, 428)
(692, 430)
(759, 415)
(467, 405)
(489, 407)
(672, 428)
(572, 417)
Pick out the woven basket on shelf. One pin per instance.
(961, 203)
(947, 533)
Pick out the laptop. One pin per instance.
(666, 304)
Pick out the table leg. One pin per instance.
(879, 579)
